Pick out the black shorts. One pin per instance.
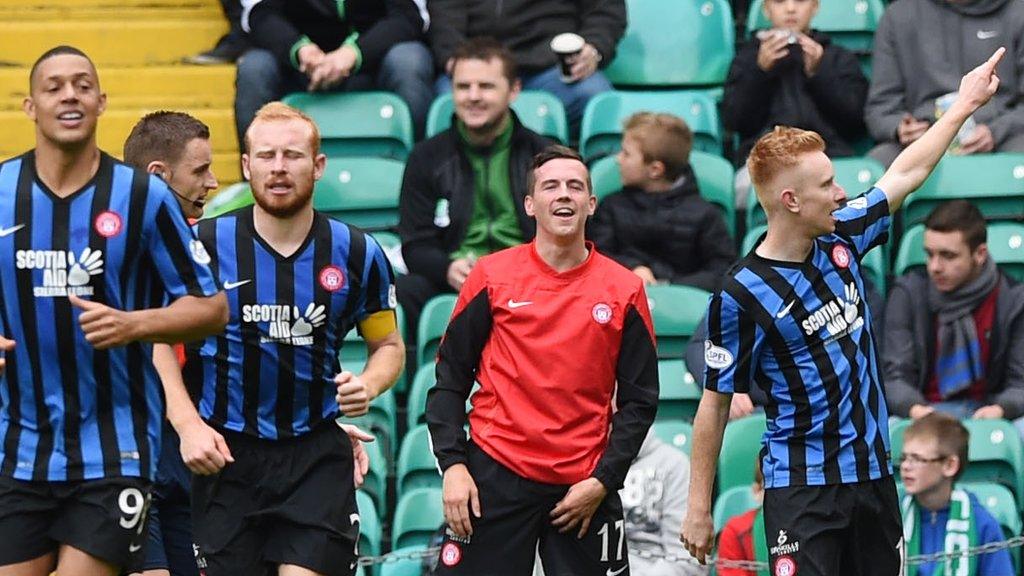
(843, 529)
(104, 518)
(515, 525)
(286, 501)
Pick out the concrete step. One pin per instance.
(122, 4)
(111, 42)
(70, 13)
(168, 87)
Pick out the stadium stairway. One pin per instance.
(137, 46)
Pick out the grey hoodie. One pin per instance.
(654, 503)
(923, 47)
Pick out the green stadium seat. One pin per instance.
(999, 502)
(674, 44)
(406, 567)
(419, 514)
(733, 502)
(1005, 245)
(233, 197)
(740, 446)
(679, 395)
(381, 421)
(601, 129)
(369, 525)
(992, 182)
(850, 23)
(362, 192)
(416, 404)
(676, 311)
(539, 111)
(714, 178)
(354, 353)
(433, 322)
(873, 262)
(359, 123)
(677, 433)
(855, 175)
(996, 455)
(375, 481)
(417, 467)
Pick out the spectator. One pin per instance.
(922, 48)
(231, 45)
(952, 336)
(527, 27)
(307, 45)
(794, 76)
(941, 517)
(658, 225)
(463, 191)
(654, 502)
(737, 539)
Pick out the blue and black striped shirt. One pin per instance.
(271, 373)
(71, 412)
(801, 331)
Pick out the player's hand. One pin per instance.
(920, 410)
(353, 395)
(460, 497)
(740, 406)
(333, 68)
(992, 411)
(458, 271)
(104, 327)
(578, 505)
(910, 129)
(360, 458)
(774, 47)
(645, 274)
(698, 535)
(812, 54)
(203, 449)
(980, 84)
(6, 345)
(980, 141)
(585, 63)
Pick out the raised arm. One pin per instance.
(913, 165)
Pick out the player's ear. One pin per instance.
(245, 167)
(159, 168)
(29, 106)
(528, 205)
(789, 200)
(319, 165)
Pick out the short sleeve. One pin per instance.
(179, 258)
(379, 280)
(731, 348)
(864, 221)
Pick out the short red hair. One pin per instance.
(780, 149)
(280, 111)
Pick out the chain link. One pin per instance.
(751, 565)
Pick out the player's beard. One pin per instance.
(283, 206)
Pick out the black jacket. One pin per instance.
(526, 27)
(831, 102)
(438, 169)
(277, 25)
(910, 346)
(680, 236)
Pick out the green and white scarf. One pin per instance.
(961, 533)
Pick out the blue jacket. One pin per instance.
(933, 536)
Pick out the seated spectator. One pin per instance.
(527, 27)
(654, 503)
(463, 191)
(658, 225)
(922, 48)
(736, 541)
(231, 45)
(953, 334)
(311, 45)
(794, 76)
(941, 517)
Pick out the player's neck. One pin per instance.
(562, 254)
(285, 235)
(65, 170)
(785, 245)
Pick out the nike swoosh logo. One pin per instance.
(8, 231)
(987, 34)
(513, 304)
(133, 548)
(232, 285)
(611, 572)
(782, 313)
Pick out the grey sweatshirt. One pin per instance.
(923, 48)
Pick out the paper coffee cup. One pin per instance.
(566, 46)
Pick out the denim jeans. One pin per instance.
(407, 70)
(574, 96)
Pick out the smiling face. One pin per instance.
(281, 165)
(65, 101)
(561, 199)
(482, 93)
